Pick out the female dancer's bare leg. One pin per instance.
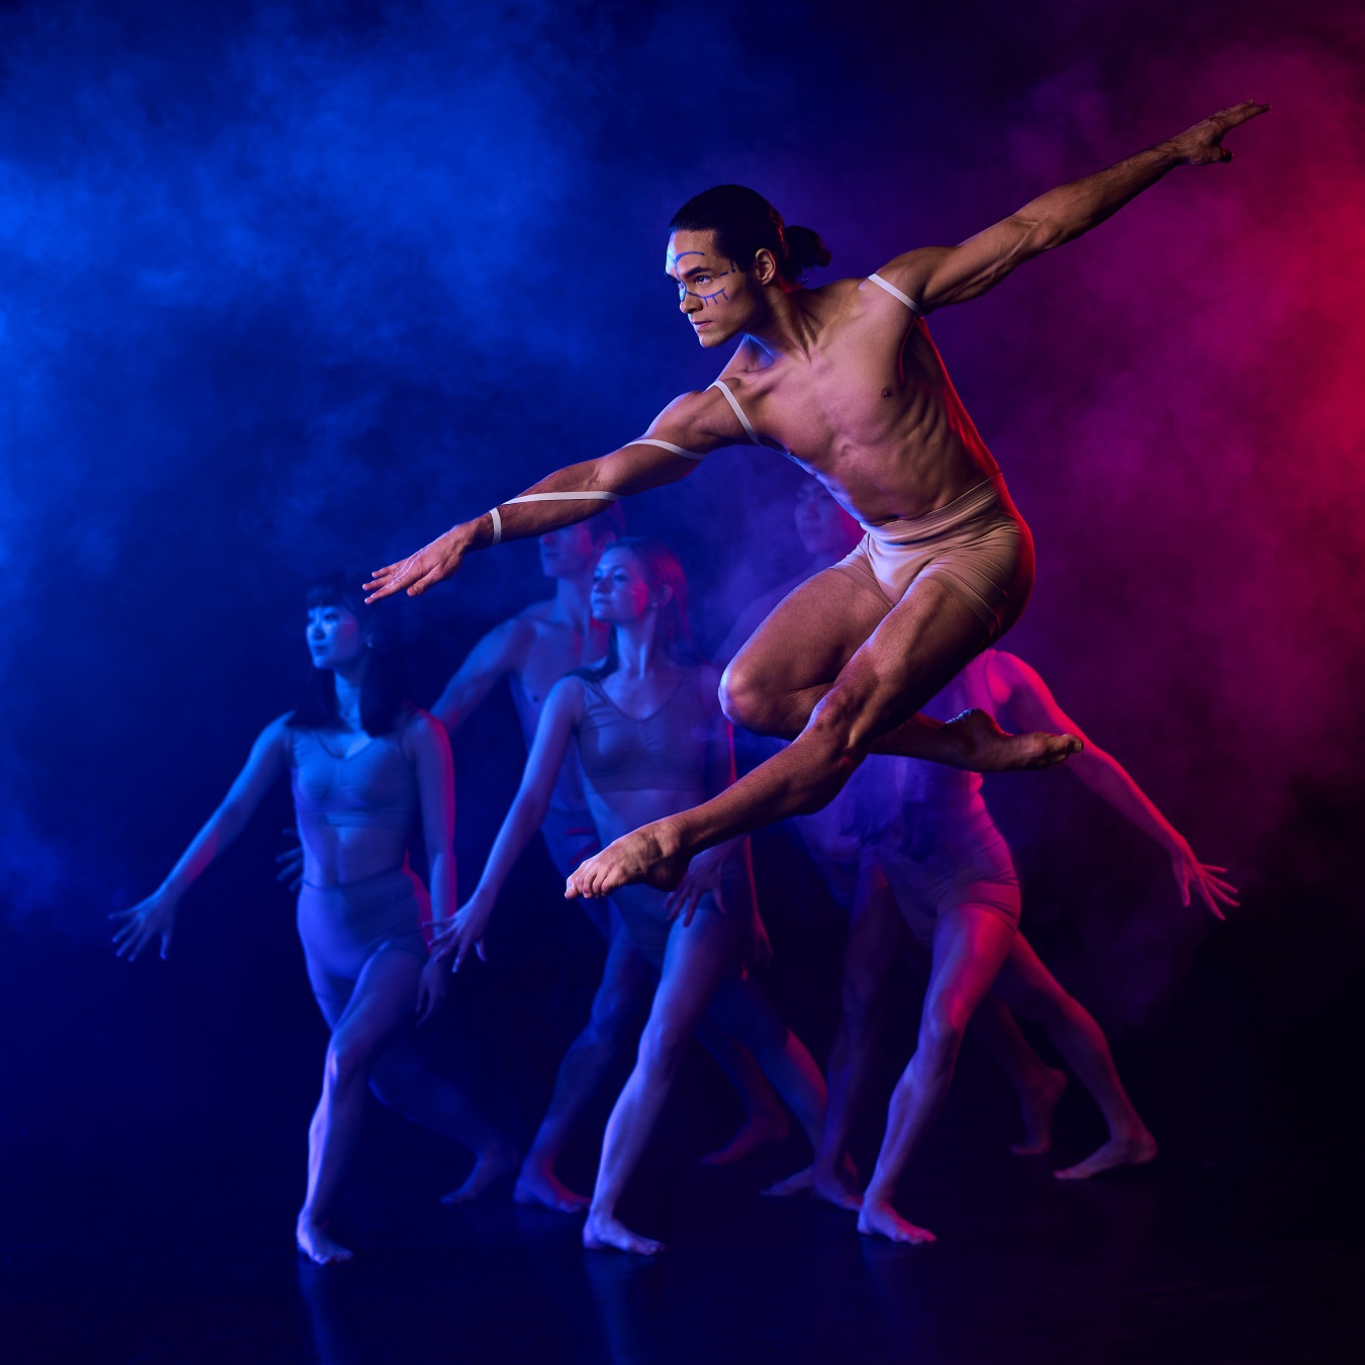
(1027, 986)
(1038, 1085)
(380, 1007)
(970, 945)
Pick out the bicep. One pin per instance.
(430, 748)
(937, 276)
(554, 733)
(263, 765)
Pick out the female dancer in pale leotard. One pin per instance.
(651, 741)
(363, 764)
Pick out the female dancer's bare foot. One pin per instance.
(317, 1245)
(489, 1165)
(881, 1220)
(974, 741)
(602, 1232)
(651, 854)
(1136, 1149)
(1037, 1104)
(770, 1126)
(537, 1184)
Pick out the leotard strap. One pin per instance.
(897, 293)
(738, 411)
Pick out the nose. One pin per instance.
(689, 303)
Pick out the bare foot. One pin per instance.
(839, 1187)
(974, 741)
(490, 1164)
(799, 1183)
(602, 1233)
(317, 1245)
(881, 1220)
(537, 1185)
(1135, 1150)
(651, 854)
(1037, 1104)
(771, 1126)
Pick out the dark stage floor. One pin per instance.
(1171, 1264)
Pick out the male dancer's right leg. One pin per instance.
(617, 1009)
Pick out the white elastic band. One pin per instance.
(898, 293)
(562, 497)
(497, 526)
(739, 411)
(666, 445)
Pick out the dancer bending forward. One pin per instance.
(363, 764)
(651, 740)
(846, 380)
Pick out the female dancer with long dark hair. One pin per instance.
(364, 764)
(652, 740)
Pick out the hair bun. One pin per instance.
(805, 248)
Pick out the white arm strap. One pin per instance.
(896, 293)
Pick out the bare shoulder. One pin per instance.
(419, 730)
(565, 698)
(910, 271)
(275, 735)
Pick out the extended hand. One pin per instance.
(289, 864)
(431, 989)
(702, 878)
(463, 932)
(149, 919)
(421, 571)
(1202, 145)
(1190, 872)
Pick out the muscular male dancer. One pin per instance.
(846, 380)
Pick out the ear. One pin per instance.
(765, 266)
(665, 596)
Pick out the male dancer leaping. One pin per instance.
(846, 379)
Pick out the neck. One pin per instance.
(350, 682)
(789, 328)
(635, 647)
(572, 600)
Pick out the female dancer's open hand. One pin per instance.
(702, 878)
(463, 932)
(426, 568)
(1190, 872)
(149, 919)
(431, 989)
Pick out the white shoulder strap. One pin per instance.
(739, 411)
(896, 293)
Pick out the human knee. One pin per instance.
(348, 1061)
(941, 1033)
(745, 701)
(862, 999)
(396, 1083)
(662, 1046)
(614, 1015)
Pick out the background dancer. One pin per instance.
(651, 737)
(363, 764)
(533, 651)
(847, 380)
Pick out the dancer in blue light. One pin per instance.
(364, 764)
(651, 738)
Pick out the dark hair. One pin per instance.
(673, 632)
(384, 700)
(610, 521)
(744, 223)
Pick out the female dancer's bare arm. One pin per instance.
(155, 916)
(554, 732)
(426, 744)
(1022, 693)
(687, 430)
(935, 276)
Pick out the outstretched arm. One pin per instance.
(936, 276)
(682, 435)
(155, 916)
(554, 732)
(1029, 702)
(501, 651)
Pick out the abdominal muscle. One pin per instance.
(335, 855)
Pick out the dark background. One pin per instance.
(287, 287)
